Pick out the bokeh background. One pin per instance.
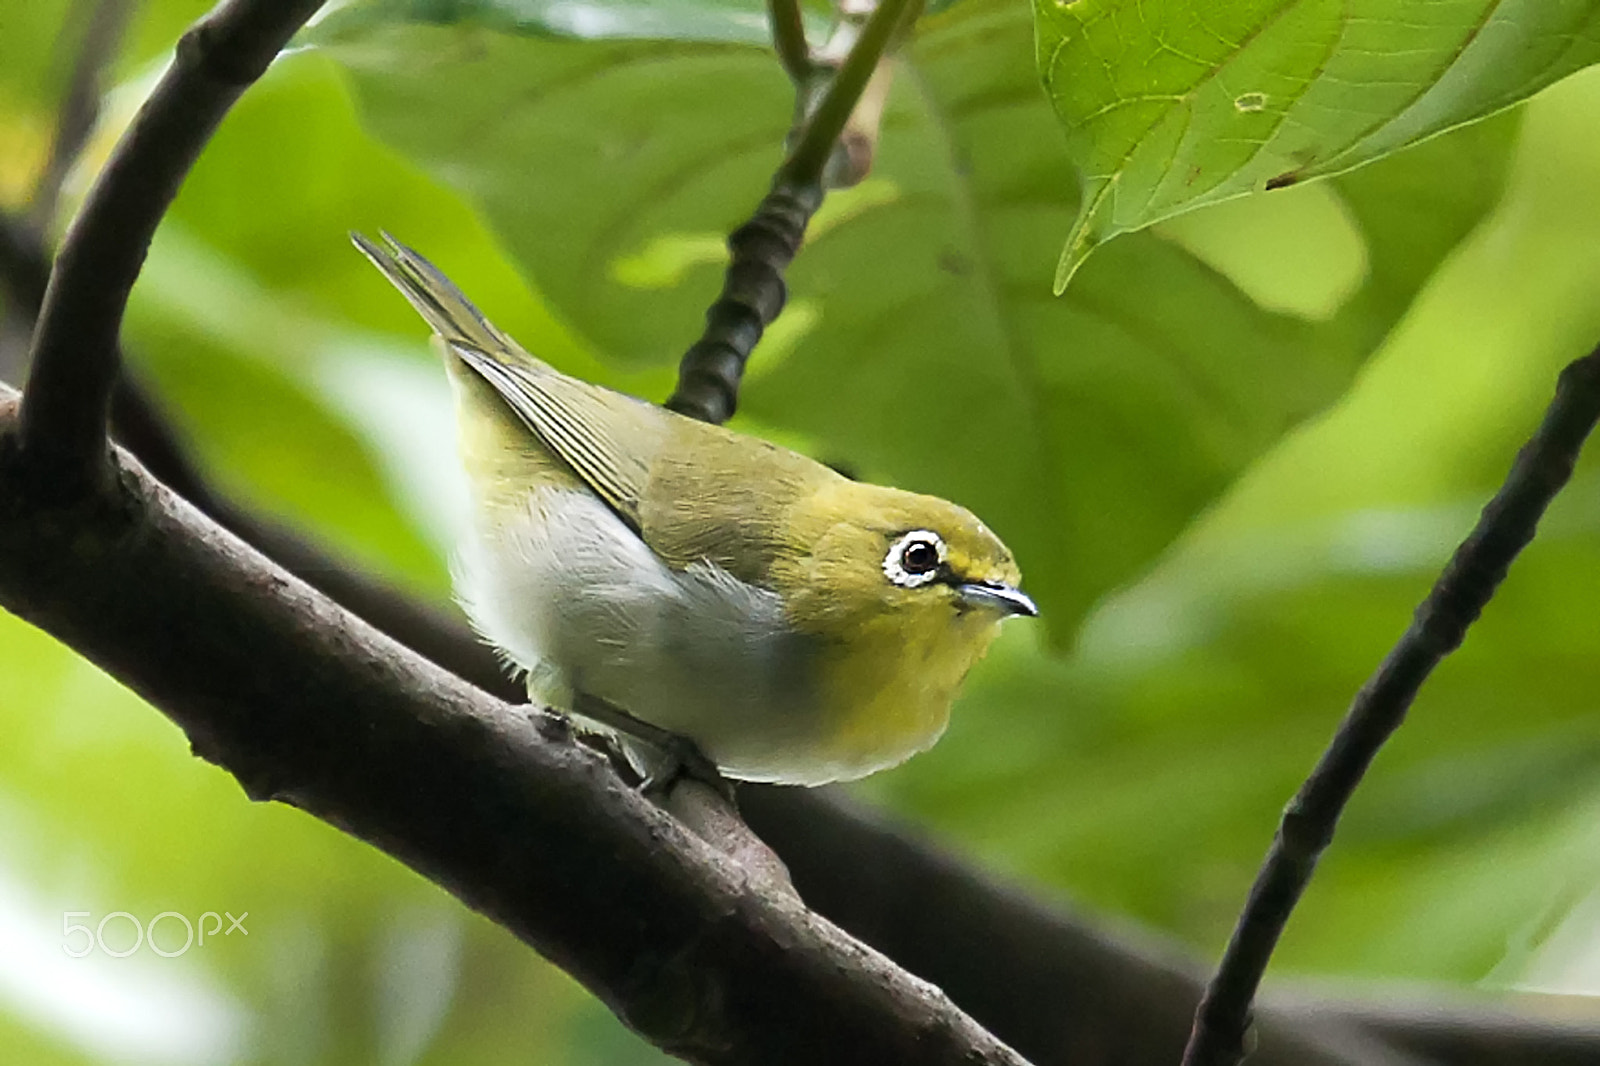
(1228, 539)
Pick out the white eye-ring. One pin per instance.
(916, 559)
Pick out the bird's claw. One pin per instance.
(680, 756)
(683, 759)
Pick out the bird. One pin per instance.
(642, 568)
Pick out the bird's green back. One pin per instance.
(666, 475)
(729, 499)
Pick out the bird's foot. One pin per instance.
(670, 758)
(681, 759)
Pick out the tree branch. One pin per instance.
(789, 40)
(753, 292)
(753, 289)
(304, 703)
(809, 157)
(74, 361)
(1506, 526)
(1063, 992)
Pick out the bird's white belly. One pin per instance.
(574, 597)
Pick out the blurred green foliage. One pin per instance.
(1237, 571)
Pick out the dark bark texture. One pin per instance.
(306, 704)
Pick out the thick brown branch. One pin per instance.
(1063, 992)
(74, 364)
(1506, 526)
(304, 703)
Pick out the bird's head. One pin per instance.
(883, 557)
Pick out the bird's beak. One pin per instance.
(998, 597)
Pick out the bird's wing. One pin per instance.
(604, 436)
(587, 427)
(721, 497)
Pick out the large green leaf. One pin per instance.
(1146, 773)
(923, 346)
(1176, 103)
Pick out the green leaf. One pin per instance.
(1171, 105)
(1145, 773)
(1087, 431)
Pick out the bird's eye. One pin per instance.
(920, 557)
(915, 559)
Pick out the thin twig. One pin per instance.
(74, 362)
(789, 39)
(753, 289)
(809, 157)
(1507, 524)
(753, 292)
(80, 105)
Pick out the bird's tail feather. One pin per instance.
(436, 298)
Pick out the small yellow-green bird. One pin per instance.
(798, 626)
